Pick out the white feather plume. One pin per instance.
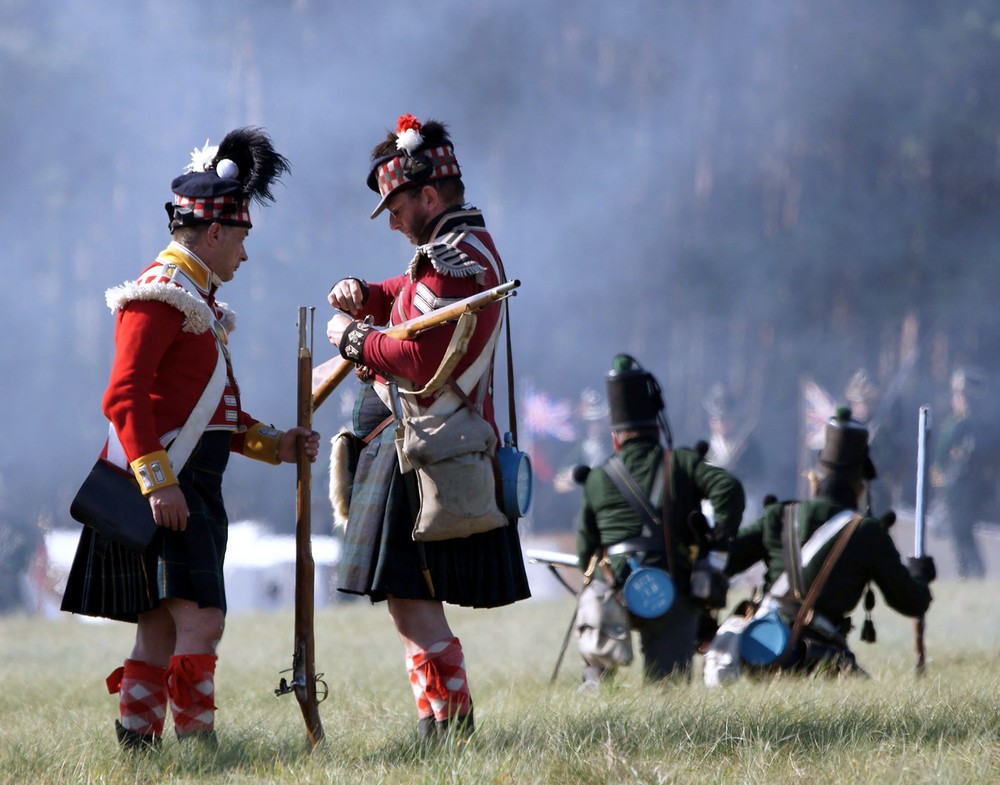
(201, 158)
(409, 140)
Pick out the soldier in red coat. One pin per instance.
(171, 368)
(416, 174)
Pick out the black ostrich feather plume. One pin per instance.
(260, 165)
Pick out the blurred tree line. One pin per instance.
(834, 222)
(740, 192)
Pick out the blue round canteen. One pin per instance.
(764, 639)
(515, 478)
(648, 591)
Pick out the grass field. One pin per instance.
(56, 719)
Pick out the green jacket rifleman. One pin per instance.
(607, 518)
(870, 555)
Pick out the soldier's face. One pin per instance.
(409, 213)
(225, 251)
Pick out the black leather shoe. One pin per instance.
(135, 742)
(205, 739)
(461, 727)
(427, 728)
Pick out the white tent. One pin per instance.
(260, 566)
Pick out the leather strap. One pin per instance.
(511, 411)
(668, 498)
(378, 429)
(184, 443)
(803, 617)
(183, 440)
(635, 545)
(457, 347)
(633, 494)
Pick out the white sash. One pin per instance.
(822, 536)
(185, 438)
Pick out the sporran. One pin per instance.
(110, 503)
(345, 448)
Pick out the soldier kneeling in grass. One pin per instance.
(820, 556)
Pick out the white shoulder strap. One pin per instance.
(822, 536)
(182, 446)
(187, 436)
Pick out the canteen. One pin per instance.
(515, 479)
(648, 591)
(764, 639)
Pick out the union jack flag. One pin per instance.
(545, 416)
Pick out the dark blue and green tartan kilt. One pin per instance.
(108, 581)
(380, 557)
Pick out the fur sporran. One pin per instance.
(602, 627)
(453, 457)
(345, 448)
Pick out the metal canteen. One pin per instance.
(648, 591)
(764, 639)
(515, 479)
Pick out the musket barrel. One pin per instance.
(920, 511)
(554, 558)
(919, 524)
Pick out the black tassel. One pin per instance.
(868, 627)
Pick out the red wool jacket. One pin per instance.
(165, 353)
(460, 260)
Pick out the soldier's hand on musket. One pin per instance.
(288, 444)
(348, 295)
(922, 568)
(336, 326)
(169, 508)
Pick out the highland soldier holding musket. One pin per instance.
(172, 384)
(442, 376)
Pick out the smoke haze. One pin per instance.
(746, 193)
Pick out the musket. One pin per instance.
(308, 686)
(554, 559)
(337, 369)
(920, 522)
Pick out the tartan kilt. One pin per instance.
(380, 557)
(106, 580)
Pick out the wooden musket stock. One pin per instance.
(413, 327)
(304, 677)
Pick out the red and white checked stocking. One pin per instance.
(191, 687)
(424, 709)
(440, 674)
(142, 696)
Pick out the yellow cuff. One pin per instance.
(153, 472)
(261, 443)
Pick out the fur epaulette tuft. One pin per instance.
(446, 257)
(198, 317)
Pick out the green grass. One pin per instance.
(56, 719)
